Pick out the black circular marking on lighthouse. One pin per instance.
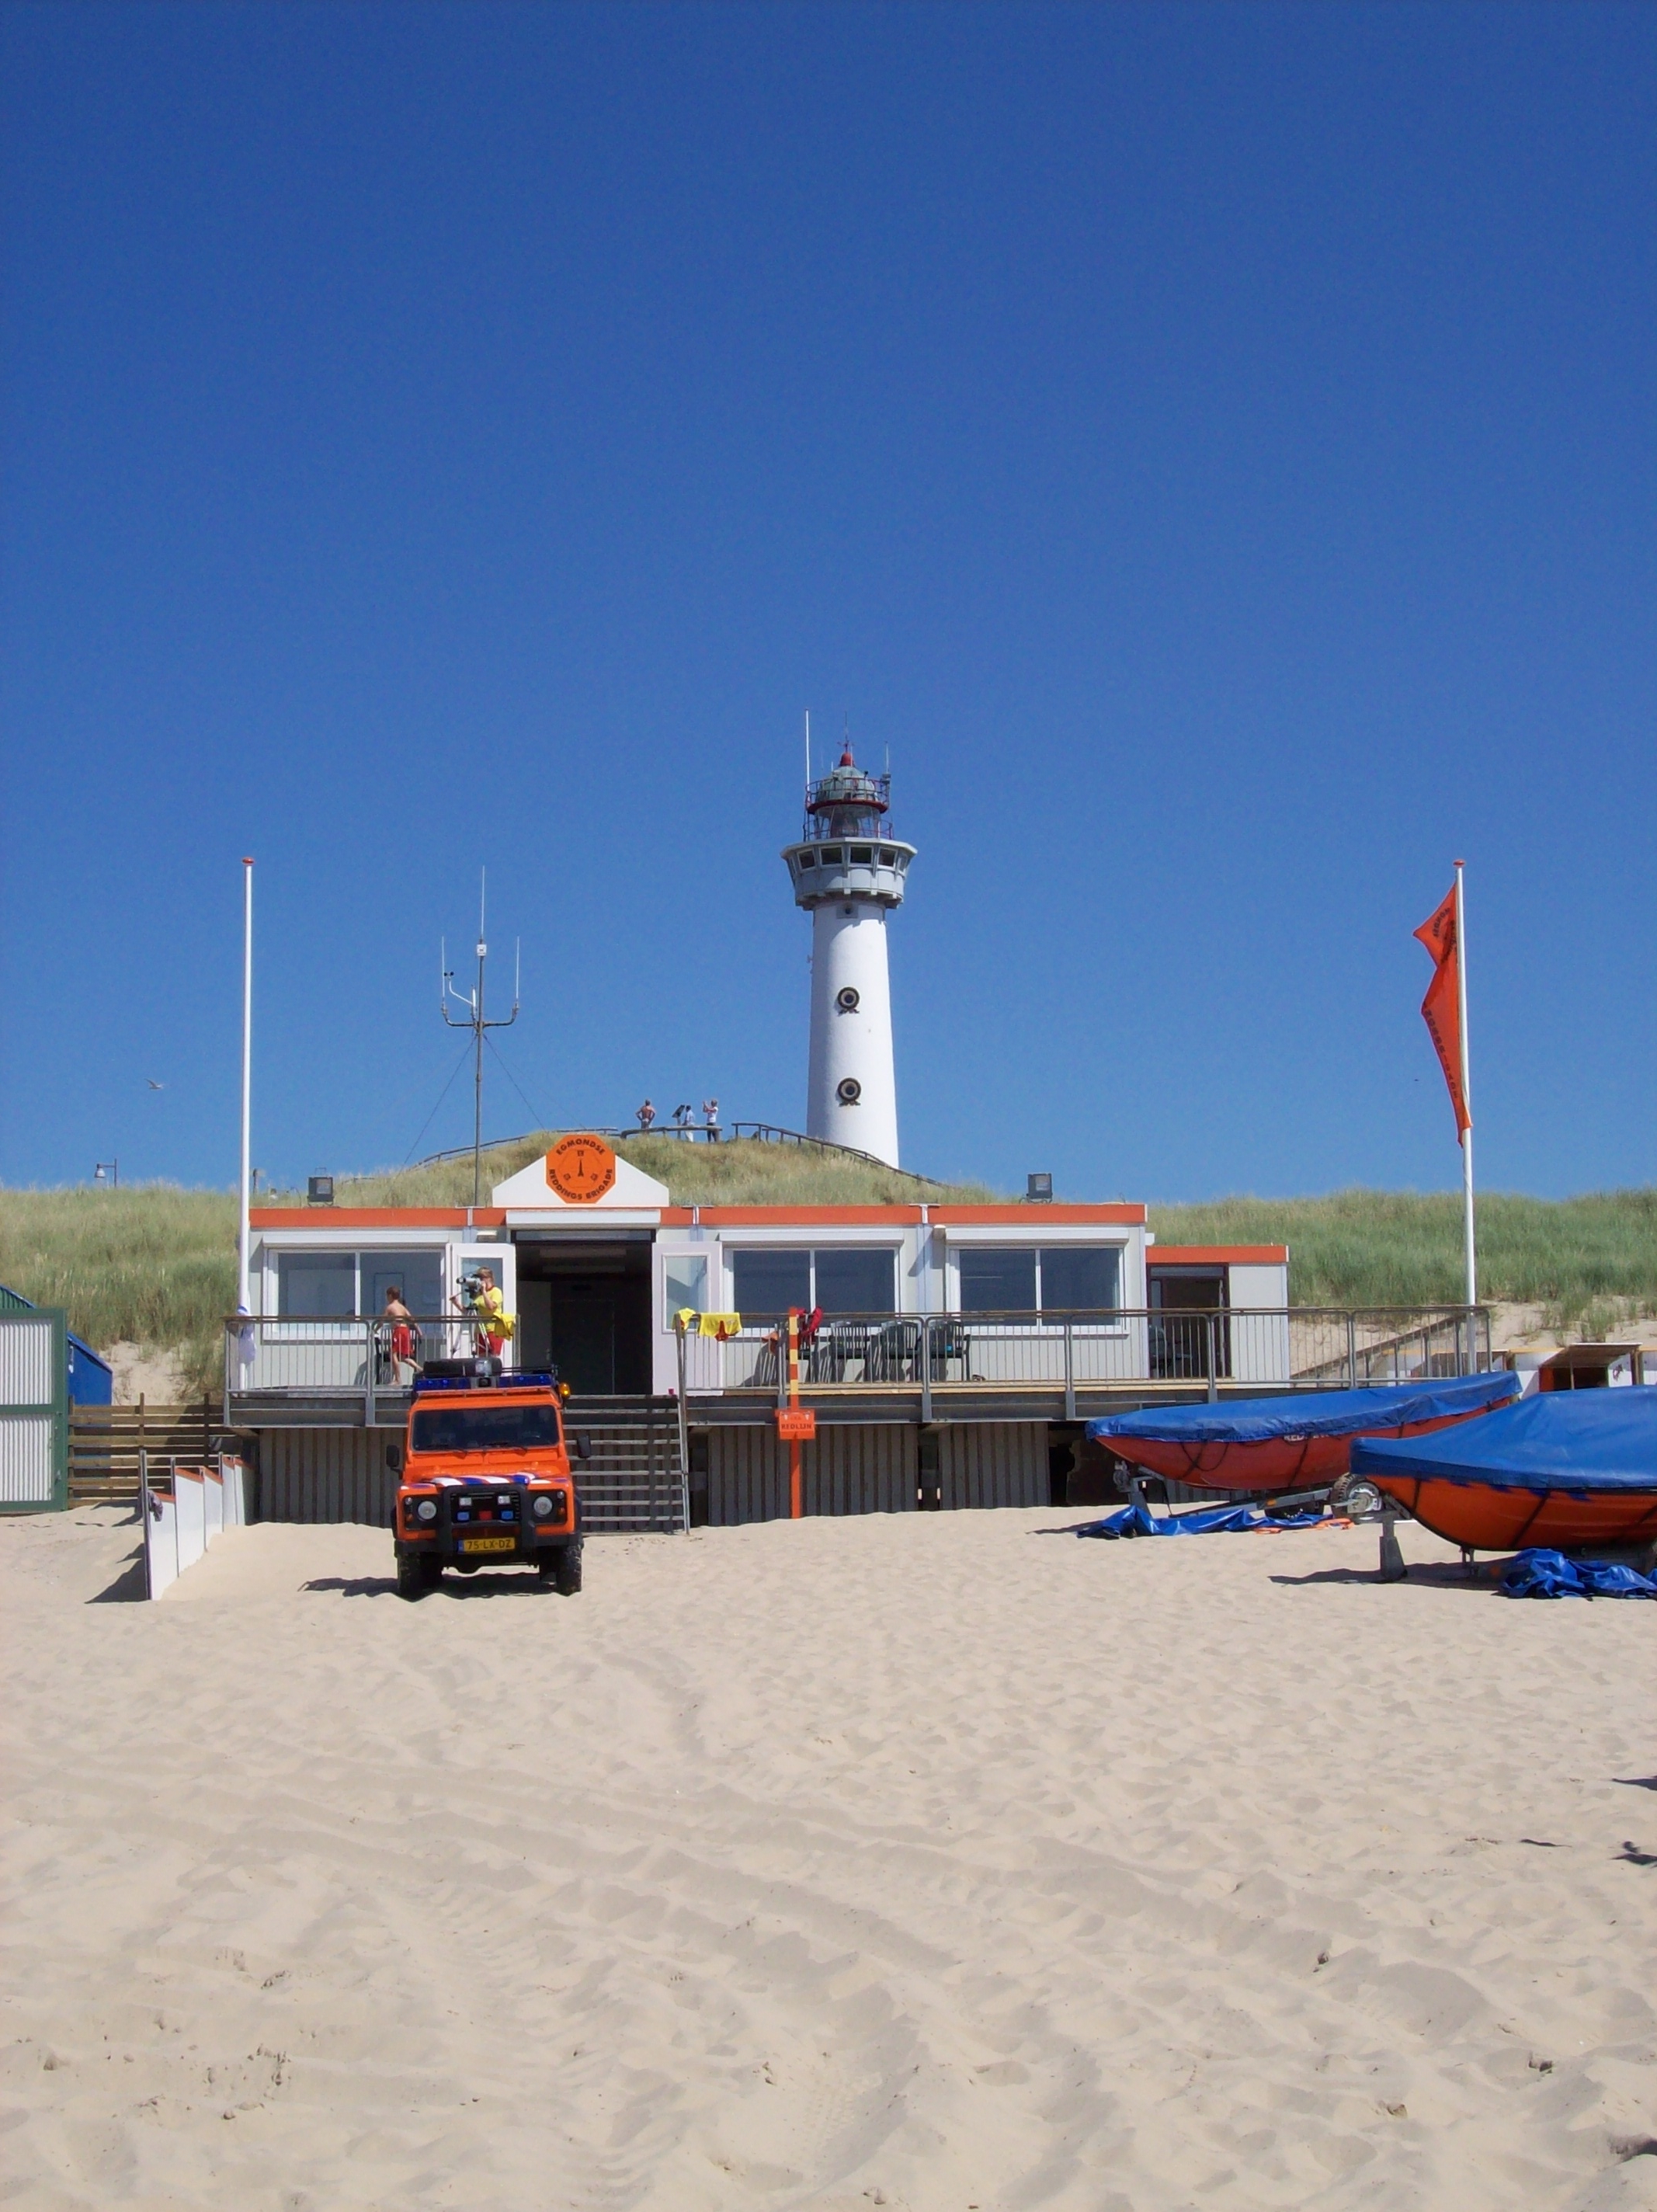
(847, 1000)
(849, 1090)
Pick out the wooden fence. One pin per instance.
(105, 1441)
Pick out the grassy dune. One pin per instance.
(1588, 1261)
(747, 1174)
(156, 1265)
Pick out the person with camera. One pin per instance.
(492, 1325)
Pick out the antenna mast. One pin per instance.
(473, 1002)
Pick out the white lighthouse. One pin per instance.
(848, 873)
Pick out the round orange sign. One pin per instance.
(580, 1168)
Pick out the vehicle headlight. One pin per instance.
(542, 1507)
(426, 1510)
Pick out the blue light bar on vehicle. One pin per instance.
(542, 1377)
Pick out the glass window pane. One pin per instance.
(684, 1283)
(996, 1280)
(316, 1283)
(1080, 1278)
(416, 1276)
(771, 1282)
(855, 1282)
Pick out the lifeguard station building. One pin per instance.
(953, 1351)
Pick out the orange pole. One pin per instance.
(795, 1487)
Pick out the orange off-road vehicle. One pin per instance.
(485, 1478)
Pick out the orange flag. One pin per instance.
(1441, 1007)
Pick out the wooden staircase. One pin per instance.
(634, 1480)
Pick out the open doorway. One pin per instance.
(584, 1309)
(1181, 1301)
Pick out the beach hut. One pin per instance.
(89, 1378)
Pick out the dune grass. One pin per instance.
(1588, 1262)
(155, 1265)
(746, 1174)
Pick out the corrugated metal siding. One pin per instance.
(849, 1469)
(747, 1477)
(27, 1458)
(861, 1470)
(26, 1360)
(984, 1463)
(327, 1474)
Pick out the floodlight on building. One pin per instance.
(320, 1190)
(1038, 1190)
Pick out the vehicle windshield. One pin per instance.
(485, 1428)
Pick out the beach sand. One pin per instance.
(935, 1861)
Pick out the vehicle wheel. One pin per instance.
(566, 1569)
(410, 1581)
(431, 1570)
(466, 1566)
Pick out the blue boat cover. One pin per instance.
(1578, 1440)
(1320, 1413)
(1551, 1574)
(1137, 1520)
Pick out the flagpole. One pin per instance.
(1466, 1083)
(243, 1247)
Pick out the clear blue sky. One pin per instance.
(1212, 447)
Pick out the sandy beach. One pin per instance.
(938, 1861)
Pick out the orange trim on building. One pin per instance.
(1217, 1255)
(678, 1217)
(810, 1216)
(375, 1217)
(1018, 1216)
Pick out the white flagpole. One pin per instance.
(244, 1251)
(1466, 1083)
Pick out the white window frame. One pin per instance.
(811, 1245)
(1020, 1240)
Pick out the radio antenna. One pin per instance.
(475, 1021)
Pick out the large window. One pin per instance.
(852, 1282)
(316, 1283)
(417, 1275)
(1055, 1279)
(839, 1279)
(1080, 1278)
(336, 1285)
(996, 1279)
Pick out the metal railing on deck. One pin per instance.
(292, 1357)
(1281, 1348)
(324, 1355)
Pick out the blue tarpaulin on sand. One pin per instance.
(1136, 1520)
(1320, 1414)
(1551, 1574)
(1577, 1440)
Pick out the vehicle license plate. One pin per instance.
(488, 1543)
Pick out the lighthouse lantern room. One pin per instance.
(848, 873)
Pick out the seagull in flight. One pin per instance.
(154, 1085)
